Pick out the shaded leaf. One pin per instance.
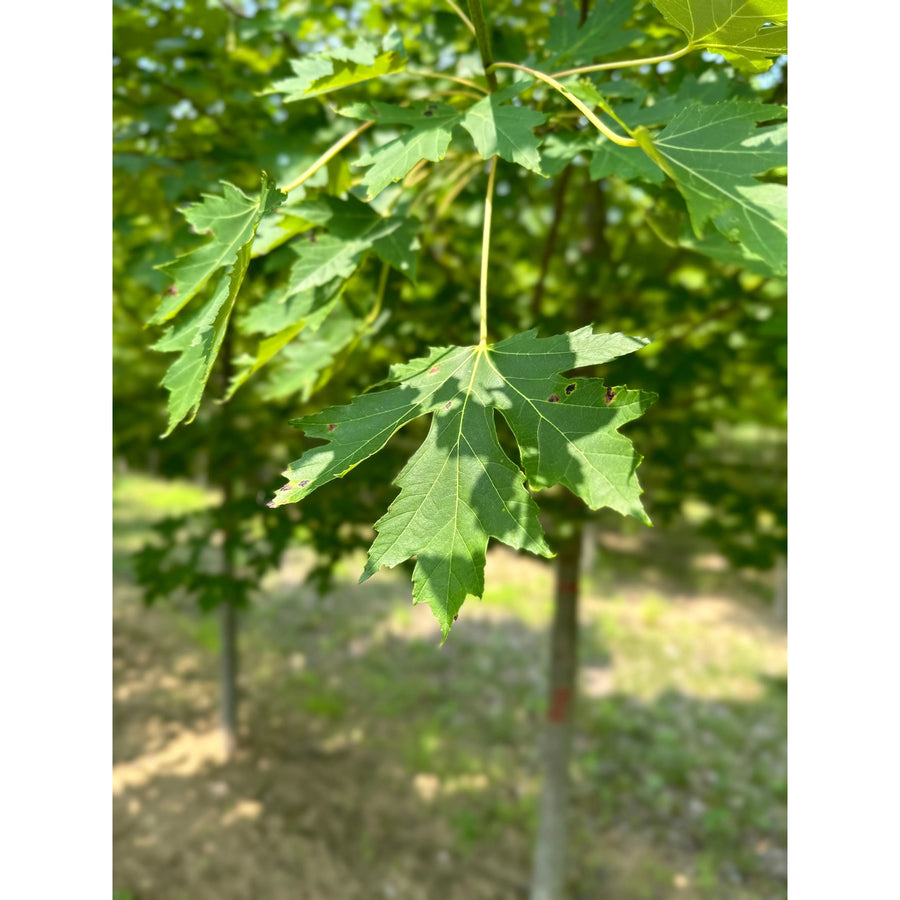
(429, 137)
(606, 158)
(311, 359)
(392, 238)
(573, 45)
(713, 154)
(282, 316)
(460, 488)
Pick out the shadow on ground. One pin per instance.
(374, 763)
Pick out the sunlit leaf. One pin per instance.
(460, 488)
(748, 33)
(322, 73)
(713, 154)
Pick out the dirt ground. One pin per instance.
(374, 764)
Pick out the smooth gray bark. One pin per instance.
(228, 675)
(549, 873)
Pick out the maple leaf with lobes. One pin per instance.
(460, 488)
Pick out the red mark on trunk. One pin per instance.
(559, 704)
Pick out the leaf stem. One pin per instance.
(462, 15)
(379, 297)
(328, 155)
(485, 251)
(484, 42)
(446, 77)
(586, 111)
(459, 178)
(625, 63)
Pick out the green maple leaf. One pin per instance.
(713, 154)
(601, 33)
(323, 265)
(429, 137)
(310, 360)
(392, 238)
(322, 73)
(498, 128)
(281, 317)
(460, 489)
(607, 158)
(746, 32)
(233, 220)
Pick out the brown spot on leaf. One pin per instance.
(434, 370)
(570, 389)
(610, 396)
(303, 483)
(553, 398)
(456, 617)
(448, 404)
(332, 427)
(171, 291)
(429, 112)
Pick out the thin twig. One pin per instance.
(626, 63)
(485, 252)
(329, 154)
(454, 78)
(588, 114)
(484, 42)
(462, 15)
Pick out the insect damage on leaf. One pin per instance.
(460, 488)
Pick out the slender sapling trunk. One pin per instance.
(549, 875)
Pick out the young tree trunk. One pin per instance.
(780, 610)
(549, 874)
(228, 627)
(228, 612)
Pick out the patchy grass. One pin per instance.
(376, 763)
